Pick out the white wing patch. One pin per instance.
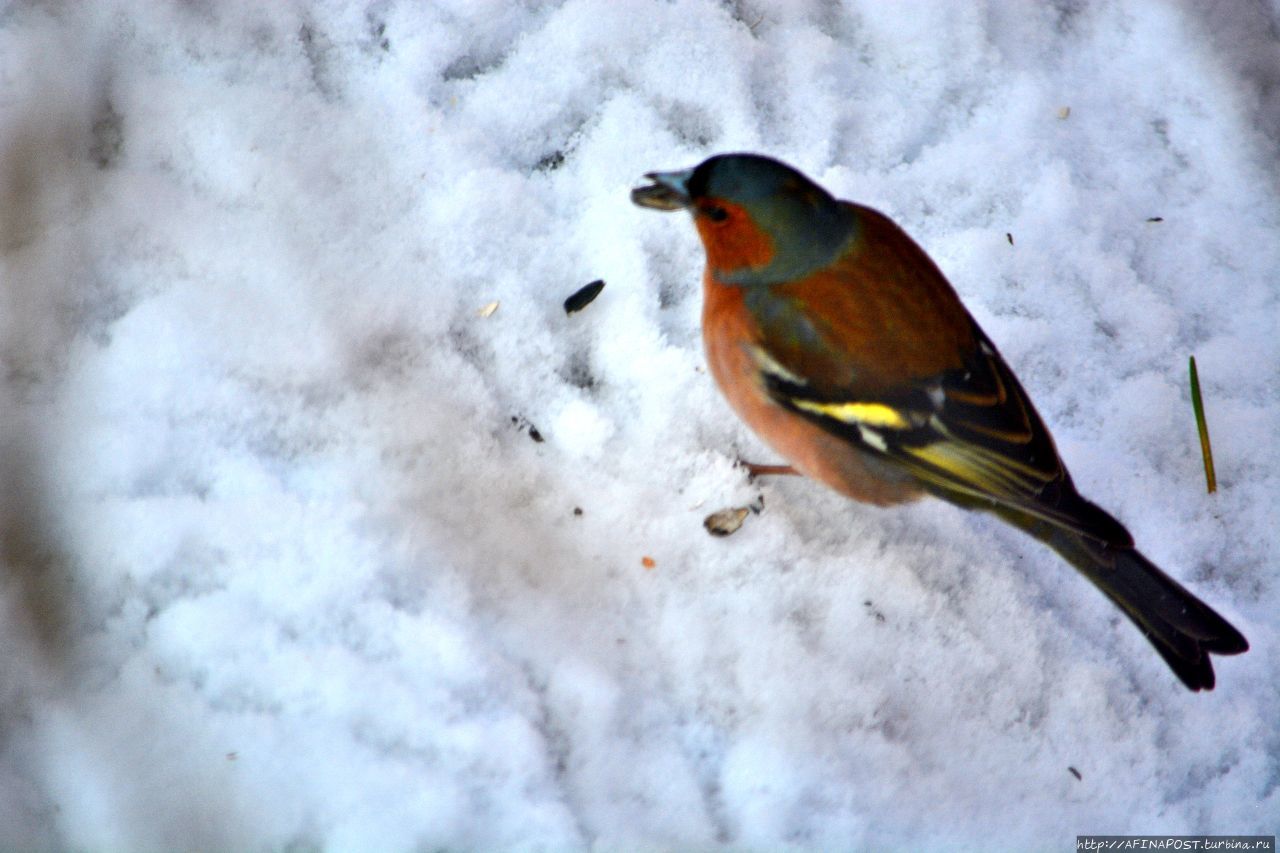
(770, 365)
(873, 438)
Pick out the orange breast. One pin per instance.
(728, 330)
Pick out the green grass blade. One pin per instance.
(1206, 451)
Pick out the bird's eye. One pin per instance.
(716, 214)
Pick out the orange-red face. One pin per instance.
(731, 238)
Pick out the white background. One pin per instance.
(280, 571)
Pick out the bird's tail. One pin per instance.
(1184, 630)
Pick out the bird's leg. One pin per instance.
(754, 470)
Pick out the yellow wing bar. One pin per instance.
(876, 415)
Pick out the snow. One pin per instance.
(283, 566)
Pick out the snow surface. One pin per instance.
(283, 568)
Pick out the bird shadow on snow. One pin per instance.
(54, 166)
(33, 365)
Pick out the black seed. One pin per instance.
(1155, 219)
(1075, 772)
(584, 297)
(522, 423)
(1008, 237)
(577, 510)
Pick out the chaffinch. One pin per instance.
(837, 339)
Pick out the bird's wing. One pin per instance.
(970, 430)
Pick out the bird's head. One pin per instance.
(761, 221)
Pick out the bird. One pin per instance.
(836, 338)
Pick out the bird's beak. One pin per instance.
(669, 191)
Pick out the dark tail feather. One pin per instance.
(1183, 628)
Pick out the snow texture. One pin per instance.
(286, 567)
